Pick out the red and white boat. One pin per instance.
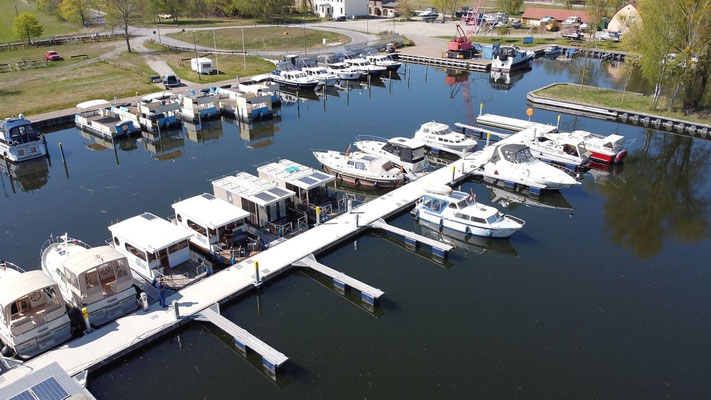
(609, 149)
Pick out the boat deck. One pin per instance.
(127, 333)
(104, 120)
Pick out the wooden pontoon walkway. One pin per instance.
(119, 337)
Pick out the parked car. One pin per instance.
(340, 18)
(516, 24)
(170, 81)
(546, 20)
(51, 55)
(610, 35)
(462, 12)
(573, 20)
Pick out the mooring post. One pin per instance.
(318, 215)
(408, 76)
(61, 150)
(481, 108)
(557, 126)
(44, 141)
(350, 205)
(454, 168)
(144, 301)
(256, 273)
(85, 314)
(426, 68)
(176, 309)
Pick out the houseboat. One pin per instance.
(261, 85)
(441, 137)
(266, 203)
(360, 169)
(197, 106)
(460, 212)
(310, 185)
(33, 316)
(98, 279)
(404, 152)
(156, 248)
(158, 111)
(100, 118)
(20, 141)
(246, 106)
(219, 229)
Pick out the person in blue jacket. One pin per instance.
(160, 286)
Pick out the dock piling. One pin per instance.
(176, 309)
(257, 281)
(557, 125)
(85, 314)
(408, 76)
(144, 301)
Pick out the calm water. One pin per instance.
(604, 294)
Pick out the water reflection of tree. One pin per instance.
(663, 195)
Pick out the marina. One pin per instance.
(460, 289)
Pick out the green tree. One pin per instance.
(26, 26)
(404, 8)
(447, 6)
(510, 7)
(76, 10)
(122, 13)
(597, 9)
(568, 4)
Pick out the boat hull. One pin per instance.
(466, 229)
(609, 158)
(362, 181)
(23, 152)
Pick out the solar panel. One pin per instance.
(49, 389)
(26, 395)
(367, 158)
(264, 196)
(320, 176)
(279, 192)
(208, 196)
(308, 180)
(148, 216)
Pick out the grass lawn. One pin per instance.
(263, 38)
(196, 22)
(92, 50)
(52, 26)
(510, 40)
(230, 65)
(613, 98)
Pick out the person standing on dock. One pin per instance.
(160, 286)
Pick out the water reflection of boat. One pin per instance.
(168, 147)
(505, 80)
(255, 134)
(292, 97)
(29, 175)
(206, 131)
(357, 195)
(99, 143)
(329, 91)
(468, 243)
(604, 173)
(511, 198)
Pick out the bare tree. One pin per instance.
(122, 13)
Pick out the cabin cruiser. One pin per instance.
(384, 60)
(440, 137)
(430, 12)
(33, 317)
(100, 118)
(409, 154)
(460, 212)
(311, 68)
(294, 79)
(513, 162)
(552, 50)
(547, 148)
(608, 149)
(96, 278)
(335, 65)
(364, 66)
(360, 169)
(510, 58)
(20, 141)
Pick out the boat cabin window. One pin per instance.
(197, 228)
(178, 246)
(151, 257)
(350, 163)
(133, 250)
(477, 220)
(23, 133)
(522, 156)
(460, 216)
(388, 166)
(493, 218)
(452, 205)
(435, 205)
(570, 149)
(445, 131)
(463, 203)
(360, 165)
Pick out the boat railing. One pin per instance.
(280, 230)
(515, 219)
(342, 203)
(371, 138)
(5, 265)
(59, 240)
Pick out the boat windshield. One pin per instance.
(494, 218)
(522, 156)
(446, 131)
(24, 134)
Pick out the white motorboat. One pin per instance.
(384, 60)
(322, 75)
(334, 64)
(510, 58)
(552, 50)
(20, 141)
(95, 278)
(513, 162)
(360, 169)
(406, 153)
(430, 12)
(440, 137)
(608, 149)
(294, 79)
(364, 66)
(460, 212)
(544, 147)
(33, 317)
(100, 118)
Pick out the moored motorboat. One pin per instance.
(294, 79)
(97, 279)
(20, 141)
(439, 136)
(552, 50)
(384, 60)
(544, 147)
(460, 212)
(404, 152)
(608, 149)
(360, 169)
(33, 316)
(510, 58)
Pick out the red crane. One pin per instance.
(460, 47)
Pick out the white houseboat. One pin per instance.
(33, 316)
(218, 227)
(460, 212)
(197, 106)
(157, 248)
(264, 200)
(20, 141)
(246, 106)
(440, 137)
(261, 85)
(98, 279)
(361, 169)
(100, 118)
(404, 152)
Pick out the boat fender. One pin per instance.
(7, 351)
(468, 231)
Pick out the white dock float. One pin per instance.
(513, 124)
(120, 337)
(271, 358)
(438, 248)
(368, 293)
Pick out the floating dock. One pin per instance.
(474, 64)
(512, 124)
(130, 332)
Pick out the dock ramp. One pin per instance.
(272, 359)
(438, 248)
